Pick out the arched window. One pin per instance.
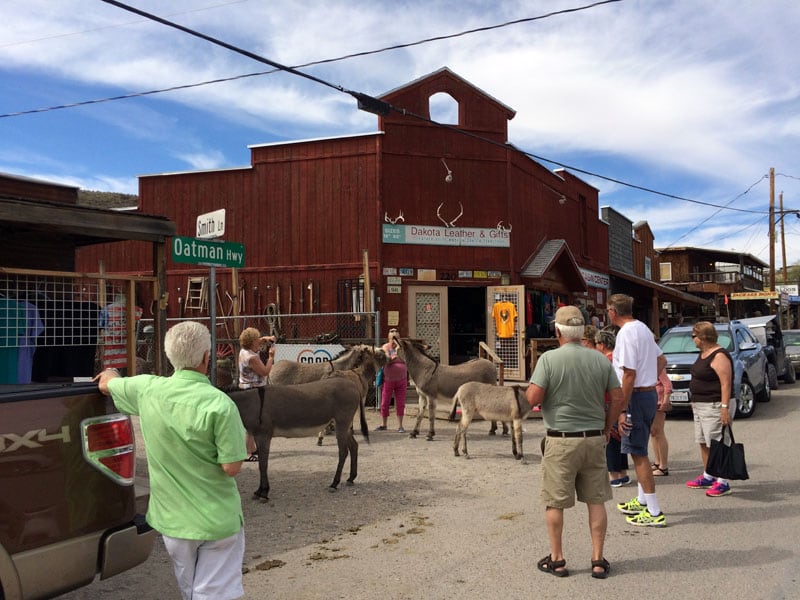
(443, 108)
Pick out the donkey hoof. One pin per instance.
(413, 435)
(429, 438)
(492, 432)
(332, 489)
(319, 442)
(349, 483)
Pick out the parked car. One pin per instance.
(750, 381)
(791, 340)
(767, 330)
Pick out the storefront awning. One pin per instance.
(664, 291)
(553, 263)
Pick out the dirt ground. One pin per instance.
(421, 523)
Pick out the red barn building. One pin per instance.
(451, 222)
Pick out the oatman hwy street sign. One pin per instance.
(207, 252)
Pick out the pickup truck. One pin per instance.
(69, 509)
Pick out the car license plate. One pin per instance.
(679, 397)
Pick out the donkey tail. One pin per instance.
(452, 416)
(364, 426)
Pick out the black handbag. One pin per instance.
(727, 461)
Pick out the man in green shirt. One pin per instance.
(570, 383)
(195, 444)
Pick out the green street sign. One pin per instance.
(207, 252)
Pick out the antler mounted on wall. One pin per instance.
(501, 228)
(399, 217)
(453, 222)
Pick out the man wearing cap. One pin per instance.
(638, 360)
(570, 384)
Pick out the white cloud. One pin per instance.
(698, 100)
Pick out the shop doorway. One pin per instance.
(466, 309)
(454, 320)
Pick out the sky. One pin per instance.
(689, 99)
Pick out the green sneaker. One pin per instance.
(645, 519)
(632, 507)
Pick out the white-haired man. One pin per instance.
(570, 383)
(195, 444)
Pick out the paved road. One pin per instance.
(422, 524)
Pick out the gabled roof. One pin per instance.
(547, 255)
(447, 73)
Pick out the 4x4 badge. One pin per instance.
(32, 439)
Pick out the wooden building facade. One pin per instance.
(450, 222)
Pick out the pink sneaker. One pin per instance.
(718, 489)
(701, 483)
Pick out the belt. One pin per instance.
(649, 388)
(573, 434)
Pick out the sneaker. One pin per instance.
(400, 430)
(620, 482)
(633, 507)
(700, 483)
(645, 519)
(719, 489)
(380, 428)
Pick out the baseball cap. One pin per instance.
(569, 315)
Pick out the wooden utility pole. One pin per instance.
(783, 243)
(772, 229)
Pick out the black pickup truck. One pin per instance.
(69, 509)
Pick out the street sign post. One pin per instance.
(207, 252)
(202, 250)
(211, 224)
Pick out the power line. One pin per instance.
(374, 105)
(716, 212)
(300, 66)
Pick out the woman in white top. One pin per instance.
(252, 372)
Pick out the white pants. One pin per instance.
(208, 569)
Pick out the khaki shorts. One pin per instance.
(573, 466)
(708, 421)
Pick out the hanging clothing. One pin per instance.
(504, 314)
(12, 325)
(113, 321)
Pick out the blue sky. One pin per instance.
(691, 98)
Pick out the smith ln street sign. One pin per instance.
(207, 252)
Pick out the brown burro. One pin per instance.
(492, 402)
(303, 410)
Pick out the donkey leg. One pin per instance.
(464, 427)
(262, 445)
(516, 441)
(493, 428)
(431, 418)
(353, 445)
(341, 438)
(423, 403)
(456, 439)
(505, 428)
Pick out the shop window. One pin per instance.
(666, 271)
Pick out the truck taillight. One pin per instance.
(108, 445)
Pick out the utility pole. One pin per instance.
(772, 229)
(783, 243)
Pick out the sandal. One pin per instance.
(554, 567)
(660, 472)
(654, 466)
(603, 564)
(252, 458)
